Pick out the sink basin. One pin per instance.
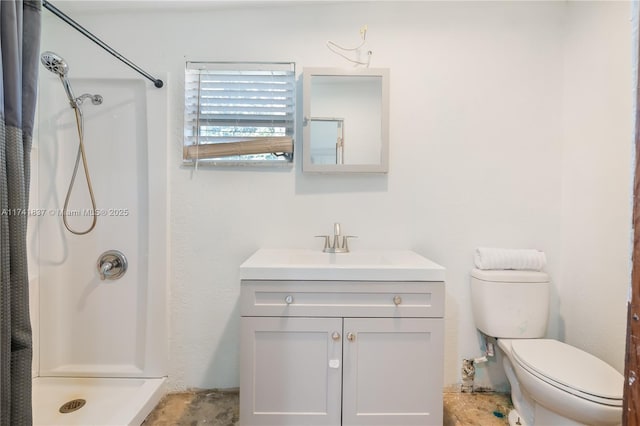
(361, 265)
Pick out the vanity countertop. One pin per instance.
(359, 265)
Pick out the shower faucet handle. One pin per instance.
(112, 265)
(105, 267)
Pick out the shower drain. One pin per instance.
(73, 405)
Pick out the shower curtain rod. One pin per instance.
(156, 81)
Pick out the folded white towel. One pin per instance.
(519, 259)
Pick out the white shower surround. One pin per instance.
(104, 341)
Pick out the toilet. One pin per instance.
(552, 383)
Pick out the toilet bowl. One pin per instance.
(552, 383)
(567, 385)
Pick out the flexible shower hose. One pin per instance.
(81, 155)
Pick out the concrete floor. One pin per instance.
(220, 408)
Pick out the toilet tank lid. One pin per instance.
(510, 276)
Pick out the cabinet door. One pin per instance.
(393, 371)
(290, 371)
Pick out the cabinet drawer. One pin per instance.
(342, 298)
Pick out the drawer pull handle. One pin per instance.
(288, 300)
(351, 336)
(397, 300)
(335, 335)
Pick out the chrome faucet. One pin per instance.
(112, 265)
(340, 242)
(104, 269)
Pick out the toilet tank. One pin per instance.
(510, 304)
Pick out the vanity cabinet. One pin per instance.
(341, 353)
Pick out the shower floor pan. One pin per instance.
(109, 401)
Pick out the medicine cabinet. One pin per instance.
(346, 120)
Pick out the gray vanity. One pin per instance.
(341, 339)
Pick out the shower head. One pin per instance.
(54, 63)
(58, 66)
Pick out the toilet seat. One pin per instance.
(570, 369)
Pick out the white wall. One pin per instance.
(485, 151)
(596, 179)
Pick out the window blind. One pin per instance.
(239, 111)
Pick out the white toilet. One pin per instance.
(552, 383)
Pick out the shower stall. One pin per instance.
(100, 344)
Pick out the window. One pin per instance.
(239, 112)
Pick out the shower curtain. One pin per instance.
(19, 51)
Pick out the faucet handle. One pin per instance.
(345, 241)
(326, 240)
(336, 228)
(112, 265)
(105, 267)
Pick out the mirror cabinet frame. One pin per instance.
(307, 76)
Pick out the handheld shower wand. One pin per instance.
(57, 65)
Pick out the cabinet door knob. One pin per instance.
(288, 300)
(351, 336)
(397, 300)
(335, 335)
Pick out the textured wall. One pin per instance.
(596, 179)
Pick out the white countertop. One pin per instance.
(358, 265)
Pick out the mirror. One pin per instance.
(346, 120)
(327, 137)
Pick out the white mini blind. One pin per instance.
(239, 112)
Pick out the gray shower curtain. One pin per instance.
(19, 51)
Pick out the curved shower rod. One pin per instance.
(156, 81)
